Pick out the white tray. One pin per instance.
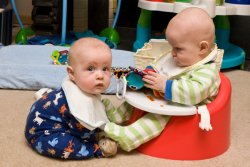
(208, 5)
(148, 102)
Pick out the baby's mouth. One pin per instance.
(100, 85)
(176, 61)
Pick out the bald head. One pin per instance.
(85, 47)
(193, 23)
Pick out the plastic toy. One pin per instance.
(119, 73)
(111, 32)
(243, 2)
(89, 33)
(64, 22)
(134, 81)
(60, 57)
(24, 33)
(128, 77)
(233, 56)
(131, 77)
(111, 44)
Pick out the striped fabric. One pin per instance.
(199, 86)
(141, 131)
(196, 86)
(117, 115)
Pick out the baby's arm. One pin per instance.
(190, 89)
(120, 114)
(194, 88)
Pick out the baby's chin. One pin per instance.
(179, 64)
(98, 91)
(94, 91)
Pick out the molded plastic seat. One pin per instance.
(182, 139)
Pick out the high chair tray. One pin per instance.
(146, 101)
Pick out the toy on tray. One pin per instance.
(131, 77)
(135, 82)
(119, 73)
(60, 57)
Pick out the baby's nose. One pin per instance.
(100, 74)
(173, 53)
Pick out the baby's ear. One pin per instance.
(70, 71)
(204, 47)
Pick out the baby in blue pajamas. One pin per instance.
(53, 131)
(64, 123)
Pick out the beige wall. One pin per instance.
(81, 14)
(24, 8)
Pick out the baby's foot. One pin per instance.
(108, 147)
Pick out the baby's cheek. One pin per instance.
(107, 80)
(88, 81)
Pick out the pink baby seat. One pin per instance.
(182, 139)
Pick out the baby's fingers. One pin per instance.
(149, 77)
(148, 86)
(148, 80)
(152, 73)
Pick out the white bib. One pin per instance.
(88, 109)
(165, 64)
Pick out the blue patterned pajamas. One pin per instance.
(53, 131)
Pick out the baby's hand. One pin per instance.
(155, 81)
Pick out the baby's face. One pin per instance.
(191, 35)
(92, 71)
(185, 50)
